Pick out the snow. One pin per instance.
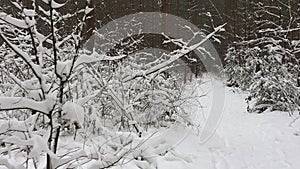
(35, 68)
(258, 141)
(17, 5)
(14, 21)
(95, 57)
(73, 112)
(45, 12)
(29, 12)
(10, 165)
(241, 141)
(38, 143)
(8, 103)
(88, 10)
(55, 5)
(63, 68)
(177, 54)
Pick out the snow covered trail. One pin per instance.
(245, 141)
(242, 140)
(257, 141)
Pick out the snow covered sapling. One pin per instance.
(38, 65)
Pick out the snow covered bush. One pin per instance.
(267, 62)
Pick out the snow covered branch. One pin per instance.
(20, 23)
(175, 56)
(14, 103)
(95, 57)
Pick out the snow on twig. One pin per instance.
(95, 57)
(14, 21)
(14, 103)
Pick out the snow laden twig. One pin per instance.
(15, 103)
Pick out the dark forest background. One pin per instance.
(238, 14)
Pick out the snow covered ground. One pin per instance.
(242, 141)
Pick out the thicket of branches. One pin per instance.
(264, 59)
(51, 89)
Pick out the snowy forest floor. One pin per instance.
(270, 140)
